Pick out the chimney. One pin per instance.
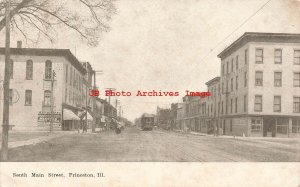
(19, 44)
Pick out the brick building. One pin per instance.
(257, 94)
(31, 72)
(260, 78)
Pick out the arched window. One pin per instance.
(29, 69)
(47, 97)
(48, 69)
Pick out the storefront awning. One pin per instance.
(69, 115)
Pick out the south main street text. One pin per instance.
(55, 175)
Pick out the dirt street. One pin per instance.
(136, 145)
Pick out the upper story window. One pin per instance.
(296, 79)
(232, 65)
(11, 69)
(48, 69)
(227, 86)
(258, 78)
(278, 56)
(28, 97)
(277, 104)
(223, 69)
(236, 82)
(67, 71)
(296, 56)
(231, 106)
(227, 67)
(245, 103)
(231, 84)
(259, 56)
(71, 73)
(236, 105)
(246, 56)
(74, 78)
(222, 87)
(237, 62)
(245, 79)
(222, 111)
(258, 103)
(277, 79)
(296, 105)
(29, 69)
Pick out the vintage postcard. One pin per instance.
(150, 93)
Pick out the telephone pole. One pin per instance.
(52, 100)
(5, 120)
(94, 100)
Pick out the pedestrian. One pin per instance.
(84, 127)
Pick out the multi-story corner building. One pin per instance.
(32, 71)
(260, 84)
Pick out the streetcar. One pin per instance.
(147, 121)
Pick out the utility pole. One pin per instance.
(94, 100)
(5, 123)
(86, 106)
(52, 100)
(116, 106)
(111, 89)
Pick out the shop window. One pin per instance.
(47, 98)
(256, 125)
(295, 126)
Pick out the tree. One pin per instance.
(33, 18)
(44, 18)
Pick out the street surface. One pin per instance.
(136, 145)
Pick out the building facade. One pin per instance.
(260, 78)
(257, 94)
(32, 72)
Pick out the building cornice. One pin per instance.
(259, 37)
(47, 52)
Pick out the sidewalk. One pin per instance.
(17, 139)
(241, 137)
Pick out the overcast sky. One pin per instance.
(161, 44)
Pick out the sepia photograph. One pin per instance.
(142, 81)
